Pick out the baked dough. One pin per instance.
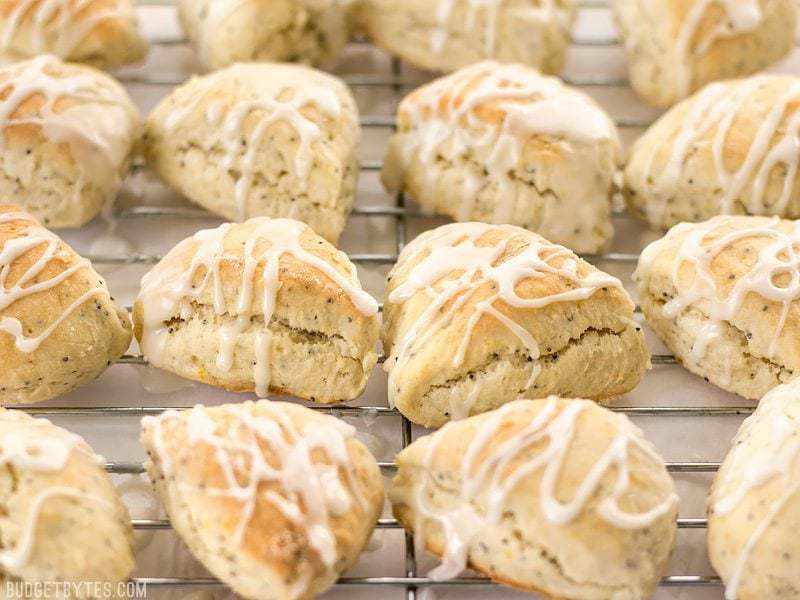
(504, 144)
(275, 499)
(558, 497)
(67, 133)
(59, 327)
(102, 33)
(478, 315)
(61, 519)
(445, 35)
(676, 47)
(722, 295)
(754, 503)
(262, 139)
(229, 31)
(727, 150)
(202, 310)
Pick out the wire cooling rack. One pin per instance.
(396, 80)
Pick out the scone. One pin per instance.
(59, 327)
(478, 315)
(265, 306)
(62, 519)
(275, 499)
(504, 144)
(263, 139)
(676, 47)
(727, 150)
(102, 33)
(754, 503)
(67, 133)
(445, 35)
(230, 31)
(723, 296)
(557, 497)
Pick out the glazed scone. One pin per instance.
(723, 296)
(265, 306)
(504, 144)
(59, 327)
(62, 519)
(102, 33)
(445, 35)
(754, 503)
(727, 150)
(262, 139)
(676, 47)
(275, 499)
(557, 497)
(230, 31)
(478, 315)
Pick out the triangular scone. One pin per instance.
(59, 327)
(264, 305)
(724, 296)
(102, 33)
(67, 133)
(229, 31)
(62, 520)
(729, 149)
(275, 499)
(261, 139)
(754, 503)
(558, 497)
(676, 47)
(478, 315)
(501, 143)
(445, 35)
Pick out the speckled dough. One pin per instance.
(80, 529)
(270, 555)
(587, 347)
(754, 503)
(91, 335)
(444, 35)
(584, 558)
(748, 352)
(229, 31)
(455, 142)
(230, 142)
(675, 47)
(102, 33)
(726, 150)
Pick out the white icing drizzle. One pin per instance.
(741, 16)
(58, 26)
(32, 238)
(451, 110)
(542, 444)
(750, 467)
(713, 112)
(455, 250)
(275, 97)
(169, 289)
(310, 491)
(778, 260)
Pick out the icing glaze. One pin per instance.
(455, 266)
(541, 445)
(448, 117)
(711, 115)
(306, 490)
(31, 239)
(168, 290)
(273, 97)
(774, 275)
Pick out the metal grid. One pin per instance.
(411, 582)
